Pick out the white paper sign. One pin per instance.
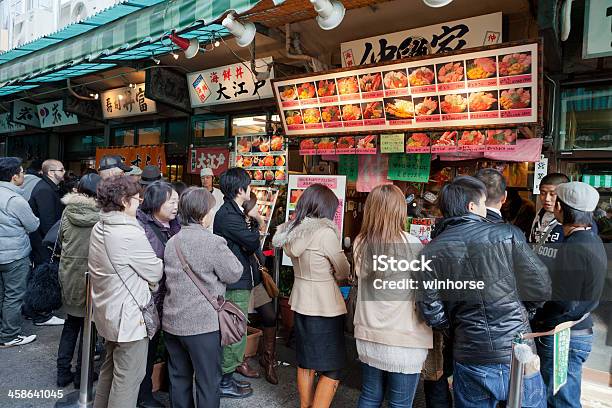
(122, 102)
(6, 126)
(597, 38)
(231, 83)
(433, 39)
(52, 114)
(540, 171)
(25, 113)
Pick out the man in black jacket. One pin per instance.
(487, 281)
(46, 204)
(496, 192)
(230, 223)
(578, 274)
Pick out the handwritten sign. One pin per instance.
(126, 101)
(539, 172)
(393, 143)
(349, 166)
(25, 113)
(409, 167)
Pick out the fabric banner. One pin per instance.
(217, 158)
(372, 172)
(140, 156)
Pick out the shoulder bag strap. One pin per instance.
(194, 279)
(115, 269)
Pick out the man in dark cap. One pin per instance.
(149, 174)
(112, 166)
(578, 275)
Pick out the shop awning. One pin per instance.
(89, 49)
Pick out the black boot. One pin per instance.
(230, 389)
(64, 377)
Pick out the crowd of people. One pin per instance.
(153, 250)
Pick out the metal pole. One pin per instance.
(86, 391)
(278, 256)
(517, 368)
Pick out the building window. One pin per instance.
(205, 128)
(586, 118)
(149, 135)
(124, 137)
(249, 125)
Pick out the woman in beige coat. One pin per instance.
(312, 242)
(123, 270)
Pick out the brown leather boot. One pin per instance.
(305, 384)
(268, 355)
(246, 370)
(324, 395)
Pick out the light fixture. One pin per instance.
(155, 60)
(94, 95)
(189, 47)
(437, 3)
(217, 43)
(244, 33)
(132, 85)
(330, 13)
(120, 97)
(174, 55)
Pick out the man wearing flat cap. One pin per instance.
(578, 275)
(112, 166)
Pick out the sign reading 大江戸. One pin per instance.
(126, 101)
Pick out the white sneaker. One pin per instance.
(19, 341)
(53, 321)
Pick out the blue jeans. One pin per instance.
(569, 394)
(400, 388)
(483, 386)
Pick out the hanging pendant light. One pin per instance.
(190, 47)
(244, 33)
(330, 13)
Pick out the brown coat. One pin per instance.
(318, 262)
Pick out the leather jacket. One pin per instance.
(484, 322)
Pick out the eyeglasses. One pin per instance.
(60, 170)
(136, 198)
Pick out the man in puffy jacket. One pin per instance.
(487, 282)
(16, 221)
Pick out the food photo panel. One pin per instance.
(418, 142)
(451, 76)
(454, 106)
(307, 93)
(515, 68)
(483, 104)
(331, 116)
(351, 115)
(326, 90)
(288, 96)
(367, 144)
(515, 102)
(345, 145)
(293, 119)
(348, 88)
(443, 142)
(371, 85)
(312, 118)
(373, 113)
(472, 141)
(399, 111)
(501, 139)
(422, 79)
(260, 144)
(426, 109)
(481, 72)
(395, 82)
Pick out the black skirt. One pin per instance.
(320, 342)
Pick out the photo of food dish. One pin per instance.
(454, 103)
(267, 161)
(288, 93)
(250, 173)
(293, 117)
(348, 85)
(306, 90)
(280, 161)
(418, 140)
(471, 138)
(258, 175)
(330, 114)
(426, 106)
(399, 108)
(294, 196)
(481, 68)
(372, 110)
(326, 143)
(346, 142)
(308, 144)
(280, 175)
(351, 112)
(482, 101)
(370, 82)
(311, 115)
(243, 145)
(447, 138)
(451, 72)
(247, 161)
(269, 175)
(422, 76)
(515, 98)
(260, 144)
(277, 143)
(515, 64)
(501, 137)
(326, 87)
(395, 80)
(366, 142)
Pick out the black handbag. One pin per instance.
(44, 293)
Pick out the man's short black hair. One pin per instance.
(554, 179)
(455, 197)
(234, 180)
(155, 195)
(571, 216)
(9, 166)
(495, 183)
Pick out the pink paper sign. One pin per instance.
(305, 182)
(372, 172)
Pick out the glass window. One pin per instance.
(249, 125)
(149, 135)
(123, 137)
(586, 118)
(83, 144)
(209, 128)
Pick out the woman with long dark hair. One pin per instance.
(312, 242)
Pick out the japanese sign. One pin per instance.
(433, 39)
(6, 126)
(231, 83)
(123, 102)
(348, 165)
(540, 170)
(392, 143)
(560, 358)
(140, 156)
(409, 167)
(25, 113)
(264, 158)
(216, 158)
(497, 86)
(299, 183)
(597, 38)
(52, 114)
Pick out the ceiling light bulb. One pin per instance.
(175, 56)
(244, 33)
(96, 96)
(330, 13)
(120, 97)
(217, 43)
(155, 60)
(437, 3)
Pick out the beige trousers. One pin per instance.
(121, 374)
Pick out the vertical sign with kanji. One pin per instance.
(540, 170)
(560, 358)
